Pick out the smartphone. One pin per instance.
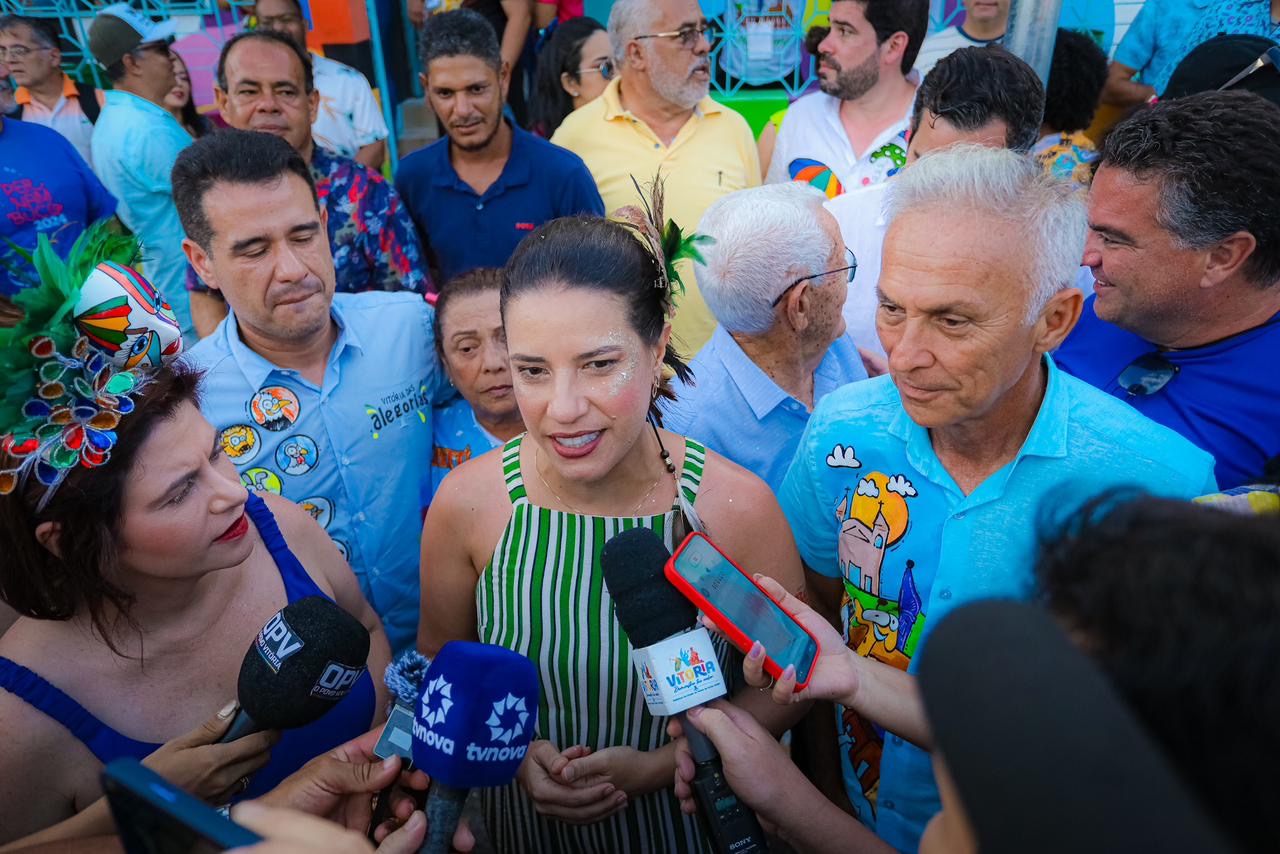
(740, 608)
(153, 816)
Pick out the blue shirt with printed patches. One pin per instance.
(870, 503)
(355, 451)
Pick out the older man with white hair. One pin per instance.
(775, 274)
(919, 491)
(656, 119)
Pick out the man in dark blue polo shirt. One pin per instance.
(475, 194)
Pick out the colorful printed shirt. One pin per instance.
(458, 438)
(1229, 17)
(353, 452)
(870, 503)
(374, 244)
(349, 117)
(1067, 157)
(813, 147)
(1154, 44)
(45, 188)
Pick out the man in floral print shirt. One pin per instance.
(264, 83)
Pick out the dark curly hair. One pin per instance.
(87, 509)
(1076, 77)
(976, 85)
(1177, 604)
(1214, 155)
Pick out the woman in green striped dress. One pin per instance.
(511, 543)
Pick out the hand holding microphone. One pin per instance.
(472, 727)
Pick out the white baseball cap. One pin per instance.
(119, 28)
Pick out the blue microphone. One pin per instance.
(472, 727)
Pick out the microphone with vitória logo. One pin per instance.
(661, 625)
(475, 718)
(303, 662)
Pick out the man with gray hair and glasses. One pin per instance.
(916, 492)
(1184, 242)
(655, 118)
(775, 273)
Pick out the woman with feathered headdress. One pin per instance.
(512, 541)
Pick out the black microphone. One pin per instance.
(303, 662)
(678, 671)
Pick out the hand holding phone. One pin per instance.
(153, 816)
(741, 608)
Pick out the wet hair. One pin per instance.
(973, 86)
(887, 17)
(87, 509)
(475, 281)
(1177, 604)
(462, 32)
(599, 254)
(1076, 78)
(1214, 157)
(561, 55)
(270, 36)
(235, 157)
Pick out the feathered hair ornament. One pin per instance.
(662, 237)
(89, 335)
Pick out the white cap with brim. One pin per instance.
(119, 28)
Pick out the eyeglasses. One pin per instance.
(19, 51)
(851, 269)
(162, 47)
(605, 69)
(688, 35)
(1271, 56)
(1147, 375)
(276, 22)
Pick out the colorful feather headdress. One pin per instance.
(662, 237)
(91, 333)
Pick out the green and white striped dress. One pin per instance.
(543, 596)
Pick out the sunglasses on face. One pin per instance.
(1147, 375)
(688, 36)
(163, 47)
(604, 68)
(851, 269)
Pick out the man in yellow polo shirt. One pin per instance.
(656, 117)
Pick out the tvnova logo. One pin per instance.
(688, 668)
(277, 641)
(437, 699)
(506, 723)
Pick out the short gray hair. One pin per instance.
(43, 31)
(628, 19)
(762, 236)
(1010, 187)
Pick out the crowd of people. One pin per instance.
(971, 376)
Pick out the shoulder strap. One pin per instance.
(37, 692)
(695, 459)
(511, 471)
(298, 584)
(88, 98)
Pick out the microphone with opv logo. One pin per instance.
(475, 718)
(678, 670)
(303, 662)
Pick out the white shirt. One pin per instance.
(862, 226)
(813, 146)
(943, 43)
(349, 117)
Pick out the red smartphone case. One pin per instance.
(735, 634)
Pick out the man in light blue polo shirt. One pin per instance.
(1151, 49)
(914, 493)
(323, 399)
(136, 140)
(775, 274)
